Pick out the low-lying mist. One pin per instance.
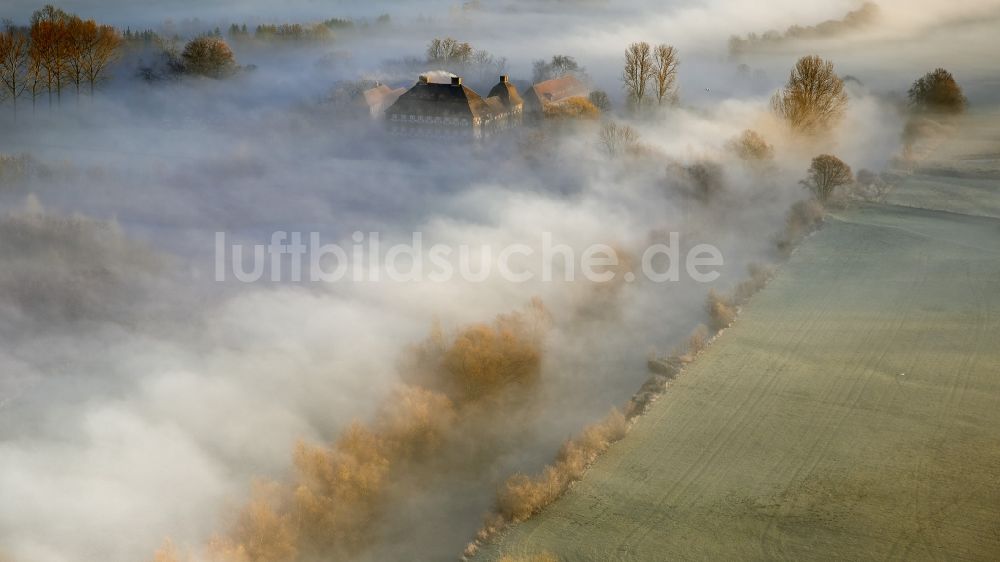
(142, 401)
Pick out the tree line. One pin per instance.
(57, 51)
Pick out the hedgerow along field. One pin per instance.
(852, 412)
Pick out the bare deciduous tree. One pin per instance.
(616, 139)
(449, 51)
(600, 100)
(665, 73)
(826, 173)
(639, 70)
(488, 65)
(814, 100)
(559, 66)
(13, 64)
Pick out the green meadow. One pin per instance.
(852, 412)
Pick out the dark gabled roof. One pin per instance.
(439, 99)
(495, 105)
(506, 92)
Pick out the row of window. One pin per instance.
(432, 119)
(449, 120)
(433, 132)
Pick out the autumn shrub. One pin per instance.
(482, 359)
(802, 218)
(522, 496)
(758, 276)
(751, 147)
(485, 358)
(937, 92)
(702, 181)
(416, 422)
(698, 340)
(338, 492)
(577, 107)
(262, 532)
(721, 310)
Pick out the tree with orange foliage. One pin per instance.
(52, 47)
(102, 48)
(331, 507)
(485, 358)
(262, 532)
(65, 49)
(937, 92)
(209, 56)
(482, 359)
(76, 37)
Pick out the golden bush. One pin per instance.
(482, 359)
(522, 496)
(698, 340)
(416, 422)
(721, 310)
(262, 532)
(577, 107)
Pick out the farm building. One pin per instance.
(553, 91)
(455, 110)
(380, 98)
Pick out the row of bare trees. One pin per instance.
(650, 71)
(460, 56)
(56, 52)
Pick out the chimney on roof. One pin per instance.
(456, 80)
(504, 78)
(423, 79)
